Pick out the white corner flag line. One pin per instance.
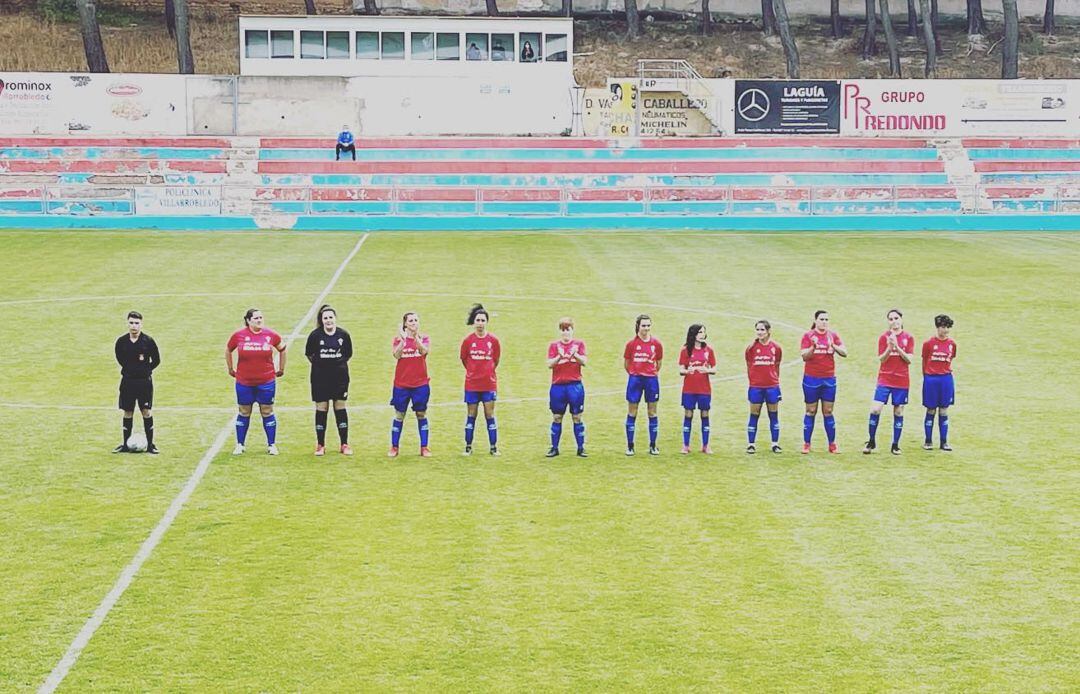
(128, 574)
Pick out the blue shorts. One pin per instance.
(647, 385)
(262, 394)
(419, 397)
(474, 396)
(899, 395)
(702, 401)
(567, 395)
(938, 391)
(756, 396)
(815, 388)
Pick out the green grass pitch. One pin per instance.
(930, 571)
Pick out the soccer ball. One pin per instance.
(136, 443)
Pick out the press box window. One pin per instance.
(393, 45)
(312, 46)
(256, 44)
(448, 46)
(422, 45)
(555, 47)
(337, 45)
(502, 47)
(529, 49)
(281, 44)
(367, 45)
(476, 46)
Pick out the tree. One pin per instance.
(1048, 18)
(91, 36)
(869, 42)
(929, 38)
(492, 8)
(706, 18)
(1010, 49)
(184, 58)
(976, 25)
(834, 19)
(371, 7)
(633, 21)
(912, 19)
(309, 7)
(890, 40)
(170, 18)
(783, 26)
(567, 8)
(935, 24)
(768, 18)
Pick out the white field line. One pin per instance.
(71, 656)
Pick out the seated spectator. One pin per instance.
(498, 51)
(473, 52)
(345, 143)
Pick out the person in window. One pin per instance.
(345, 143)
(527, 54)
(473, 52)
(498, 51)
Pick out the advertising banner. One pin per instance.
(788, 107)
(672, 113)
(960, 108)
(53, 103)
(611, 112)
(177, 200)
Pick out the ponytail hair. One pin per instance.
(323, 309)
(475, 311)
(637, 322)
(897, 312)
(406, 317)
(248, 314)
(816, 315)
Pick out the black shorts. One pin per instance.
(329, 386)
(136, 393)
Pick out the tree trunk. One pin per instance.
(492, 8)
(309, 7)
(869, 42)
(912, 19)
(633, 21)
(929, 38)
(768, 18)
(783, 26)
(170, 18)
(976, 25)
(1048, 18)
(371, 7)
(706, 18)
(183, 39)
(834, 19)
(890, 40)
(935, 24)
(1010, 48)
(91, 36)
(567, 8)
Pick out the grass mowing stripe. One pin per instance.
(71, 656)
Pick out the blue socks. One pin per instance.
(751, 428)
(579, 434)
(897, 428)
(395, 432)
(807, 427)
(928, 427)
(774, 426)
(874, 419)
(830, 427)
(687, 425)
(704, 432)
(943, 427)
(242, 424)
(470, 427)
(630, 431)
(556, 434)
(270, 427)
(654, 429)
(493, 431)
(422, 425)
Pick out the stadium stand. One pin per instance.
(1027, 175)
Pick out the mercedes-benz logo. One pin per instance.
(753, 105)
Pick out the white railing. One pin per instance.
(735, 200)
(679, 75)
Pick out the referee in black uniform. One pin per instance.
(138, 356)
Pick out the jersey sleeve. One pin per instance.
(155, 355)
(496, 348)
(712, 357)
(684, 358)
(275, 340)
(628, 350)
(116, 351)
(882, 345)
(463, 352)
(346, 349)
(659, 350)
(837, 340)
(553, 350)
(233, 341)
(309, 346)
(779, 354)
(805, 343)
(953, 348)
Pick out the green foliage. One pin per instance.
(928, 571)
(58, 10)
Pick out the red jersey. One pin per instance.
(937, 356)
(567, 369)
(643, 356)
(893, 372)
(763, 364)
(822, 363)
(697, 383)
(411, 369)
(479, 355)
(255, 355)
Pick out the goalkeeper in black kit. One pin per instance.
(138, 356)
